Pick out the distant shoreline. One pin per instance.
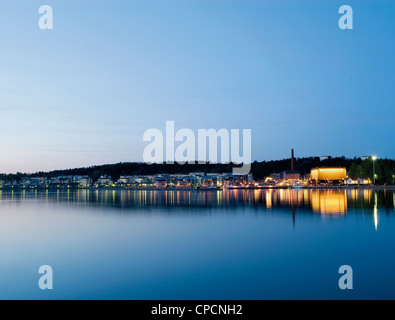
(370, 187)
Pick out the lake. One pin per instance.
(231, 244)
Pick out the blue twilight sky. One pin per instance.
(85, 92)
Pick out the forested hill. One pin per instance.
(385, 169)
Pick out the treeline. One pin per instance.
(384, 169)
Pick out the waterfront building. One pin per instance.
(358, 181)
(34, 182)
(104, 180)
(184, 182)
(209, 181)
(290, 175)
(275, 176)
(197, 178)
(65, 179)
(322, 158)
(82, 181)
(147, 182)
(237, 180)
(328, 174)
(160, 182)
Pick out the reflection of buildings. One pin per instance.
(329, 201)
(358, 181)
(358, 195)
(297, 202)
(375, 215)
(321, 201)
(288, 197)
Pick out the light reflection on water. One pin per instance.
(326, 202)
(181, 244)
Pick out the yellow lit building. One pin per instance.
(326, 174)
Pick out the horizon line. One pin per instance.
(196, 162)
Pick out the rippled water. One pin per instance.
(236, 244)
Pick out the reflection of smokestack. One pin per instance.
(292, 159)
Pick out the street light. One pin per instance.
(374, 175)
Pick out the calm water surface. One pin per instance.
(237, 244)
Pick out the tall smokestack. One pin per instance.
(292, 159)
